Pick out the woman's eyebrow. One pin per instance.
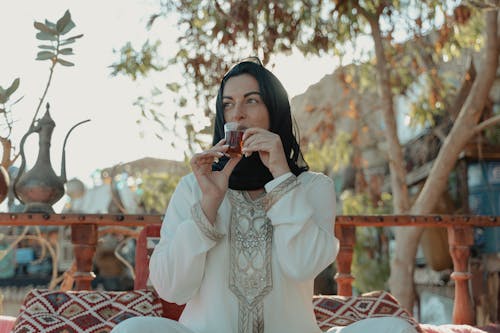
(245, 95)
(251, 93)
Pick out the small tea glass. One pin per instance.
(234, 138)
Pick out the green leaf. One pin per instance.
(155, 91)
(3, 98)
(45, 55)
(67, 42)
(68, 27)
(174, 86)
(66, 51)
(45, 36)
(13, 87)
(70, 39)
(63, 21)
(182, 102)
(65, 63)
(43, 28)
(50, 24)
(74, 37)
(47, 47)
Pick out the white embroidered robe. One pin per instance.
(254, 271)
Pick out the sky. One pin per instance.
(88, 91)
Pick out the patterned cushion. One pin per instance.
(99, 311)
(83, 311)
(335, 310)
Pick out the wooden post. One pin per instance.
(347, 238)
(460, 239)
(462, 191)
(84, 239)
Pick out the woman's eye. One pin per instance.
(226, 106)
(252, 101)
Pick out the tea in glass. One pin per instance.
(234, 138)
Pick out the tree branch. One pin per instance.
(361, 10)
(487, 123)
(485, 5)
(7, 149)
(380, 8)
(219, 10)
(463, 92)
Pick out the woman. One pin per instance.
(244, 237)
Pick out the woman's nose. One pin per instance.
(239, 112)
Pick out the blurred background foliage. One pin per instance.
(371, 260)
(156, 190)
(417, 36)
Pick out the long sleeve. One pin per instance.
(302, 211)
(178, 261)
(231, 272)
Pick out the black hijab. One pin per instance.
(250, 173)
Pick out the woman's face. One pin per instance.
(243, 104)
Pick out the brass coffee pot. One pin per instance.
(39, 188)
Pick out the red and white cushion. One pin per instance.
(83, 311)
(99, 311)
(333, 310)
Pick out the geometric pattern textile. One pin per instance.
(333, 310)
(99, 311)
(55, 311)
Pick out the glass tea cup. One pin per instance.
(234, 138)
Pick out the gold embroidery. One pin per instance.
(287, 185)
(205, 226)
(250, 238)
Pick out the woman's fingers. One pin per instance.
(229, 167)
(205, 158)
(202, 162)
(269, 147)
(218, 150)
(249, 132)
(221, 142)
(258, 139)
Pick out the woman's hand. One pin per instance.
(269, 147)
(213, 184)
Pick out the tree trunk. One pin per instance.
(464, 126)
(462, 131)
(395, 151)
(401, 280)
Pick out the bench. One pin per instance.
(99, 311)
(84, 238)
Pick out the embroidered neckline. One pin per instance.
(250, 247)
(250, 277)
(248, 198)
